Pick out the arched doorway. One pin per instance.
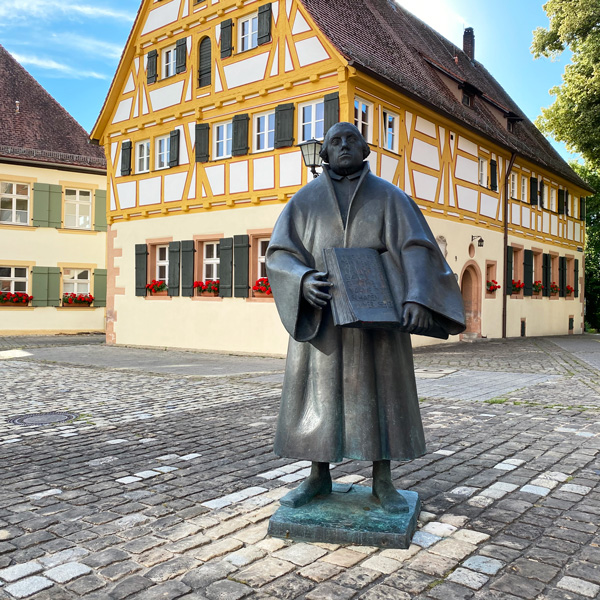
(471, 294)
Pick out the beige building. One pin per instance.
(52, 214)
(201, 130)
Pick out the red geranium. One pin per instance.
(262, 285)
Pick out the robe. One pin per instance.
(351, 393)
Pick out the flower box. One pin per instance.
(156, 287)
(262, 287)
(491, 286)
(537, 287)
(569, 290)
(15, 299)
(554, 289)
(517, 286)
(210, 287)
(77, 299)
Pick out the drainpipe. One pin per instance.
(506, 282)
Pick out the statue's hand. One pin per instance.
(315, 289)
(417, 318)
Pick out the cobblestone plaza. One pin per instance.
(161, 479)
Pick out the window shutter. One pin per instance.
(180, 55)
(528, 272)
(582, 209)
(562, 276)
(561, 202)
(55, 207)
(99, 287)
(239, 144)
(576, 278)
(508, 273)
(284, 125)
(141, 269)
(202, 135)
(204, 62)
(225, 267)
(241, 261)
(188, 250)
(41, 205)
(100, 210)
(567, 203)
(39, 286)
(152, 73)
(174, 148)
(53, 286)
(494, 175)
(126, 158)
(174, 262)
(546, 274)
(331, 104)
(226, 38)
(264, 24)
(533, 191)
(541, 194)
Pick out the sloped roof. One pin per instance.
(41, 130)
(384, 39)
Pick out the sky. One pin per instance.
(72, 47)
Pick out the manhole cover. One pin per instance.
(42, 418)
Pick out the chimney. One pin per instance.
(469, 43)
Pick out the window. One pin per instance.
(517, 268)
(204, 62)
(248, 28)
(467, 99)
(163, 152)
(169, 61)
(142, 156)
(553, 206)
(222, 140)
(513, 185)
(523, 189)
(13, 279)
(363, 118)
(14, 203)
(78, 209)
(483, 172)
(211, 260)
(312, 121)
(389, 135)
(162, 263)
(264, 132)
(76, 281)
(261, 268)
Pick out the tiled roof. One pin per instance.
(385, 40)
(40, 130)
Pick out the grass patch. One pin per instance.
(496, 401)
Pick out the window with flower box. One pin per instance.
(14, 203)
(78, 209)
(76, 281)
(162, 263)
(13, 279)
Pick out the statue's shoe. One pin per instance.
(391, 499)
(306, 491)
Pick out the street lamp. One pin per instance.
(479, 240)
(310, 155)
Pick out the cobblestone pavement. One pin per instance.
(162, 485)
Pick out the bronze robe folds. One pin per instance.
(351, 392)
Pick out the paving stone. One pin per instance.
(453, 548)
(119, 570)
(28, 586)
(67, 572)
(381, 564)
(264, 571)
(532, 569)
(343, 557)
(357, 577)
(86, 584)
(470, 536)
(579, 586)
(519, 586)
(429, 563)
(585, 570)
(320, 571)
(331, 591)
(105, 558)
(172, 568)
(288, 587)
(64, 556)
(246, 556)
(582, 490)
(300, 554)
(468, 578)
(164, 591)
(129, 586)
(20, 571)
(483, 564)
(201, 577)
(439, 529)
(425, 539)
(216, 549)
(401, 555)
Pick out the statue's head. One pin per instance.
(344, 148)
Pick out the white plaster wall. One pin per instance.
(425, 186)
(388, 167)
(290, 169)
(300, 24)
(489, 206)
(425, 154)
(466, 169)
(174, 186)
(467, 146)
(163, 15)
(425, 126)
(467, 198)
(166, 96)
(246, 71)
(264, 173)
(310, 51)
(123, 110)
(149, 191)
(238, 177)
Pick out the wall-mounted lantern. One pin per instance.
(479, 240)
(310, 155)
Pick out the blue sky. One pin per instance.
(72, 47)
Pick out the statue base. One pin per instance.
(349, 515)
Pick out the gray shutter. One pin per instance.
(508, 272)
(126, 158)
(264, 24)
(576, 278)
(239, 143)
(533, 191)
(494, 175)
(202, 142)
(53, 286)
(561, 202)
(204, 62)
(241, 261)
(528, 272)
(284, 125)
(39, 286)
(331, 106)
(99, 287)
(562, 276)
(152, 73)
(541, 194)
(100, 210)
(567, 203)
(188, 249)
(174, 261)
(55, 207)
(180, 55)
(141, 269)
(174, 148)
(546, 274)
(226, 38)
(41, 205)
(225, 267)
(582, 209)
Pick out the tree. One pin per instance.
(574, 117)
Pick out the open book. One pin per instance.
(368, 290)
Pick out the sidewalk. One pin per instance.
(162, 485)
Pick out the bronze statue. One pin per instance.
(350, 392)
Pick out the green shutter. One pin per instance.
(204, 62)
(225, 267)
(152, 73)
(533, 191)
(39, 286)
(202, 142)
(542, 194)
(239, 143)
(226, 38)
(141, 269)
(494, 175)
(241, 264)
(567, 203)
(99, 287)
(174, 148)
(180, 55)
(174, 265)
(264, 24)
(41, 204)
(582, 209)
(53, 286)
(55, 207)
(561, 202)
(562, 276)
(576, 278)
(508, 272)
(188, 249)
(284, 125)
(546, 274)
(331, 106)
(100, 210)
(126, 158)
(528, 272)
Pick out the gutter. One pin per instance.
(505, 209)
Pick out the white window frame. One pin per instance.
(261, 268)
(513, 186)
(210, 264)
(364, 126)
(77, 283)
(312, 122)
(523, 188)
(261, 141)
(14, 197)
(168, 61)
(160, 262)
(163, 151)
(222, 139)
(142, 157)
(248, 37)
(385, 142)
(79, 205)
(12, 279)
(482, 172)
